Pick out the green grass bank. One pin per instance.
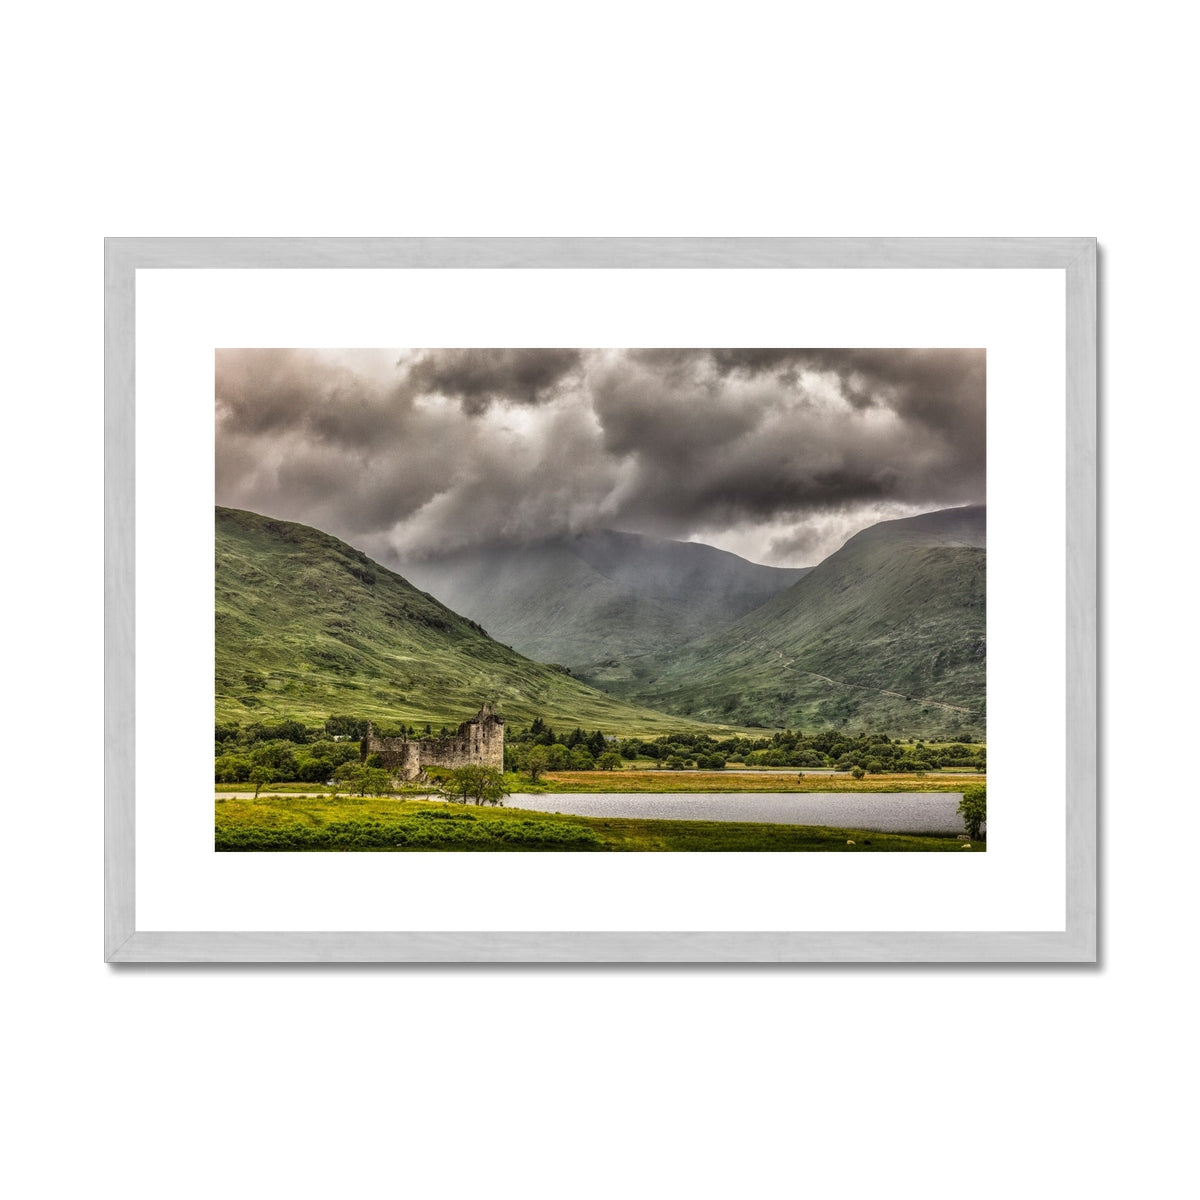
(281, 823)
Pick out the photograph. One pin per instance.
(601, 600)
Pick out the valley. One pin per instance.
(864, 675)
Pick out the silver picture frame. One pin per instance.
(124, 942)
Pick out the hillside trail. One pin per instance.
(790, 665)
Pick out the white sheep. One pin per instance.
(849, 842)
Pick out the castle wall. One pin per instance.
(478, 742)
(399, 756)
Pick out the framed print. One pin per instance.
(600, 600)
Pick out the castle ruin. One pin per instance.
(478, 742)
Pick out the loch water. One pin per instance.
(885, 812)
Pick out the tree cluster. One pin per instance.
(291, 751)
(284, 752)
(539, 749)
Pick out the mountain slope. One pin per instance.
(307, 627)
(590, 602)
(888, 633)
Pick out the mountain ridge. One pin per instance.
(308, 627)
(590, 599)
(888, 633)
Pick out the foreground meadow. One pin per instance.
(324, 823)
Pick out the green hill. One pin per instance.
(887, 634)
(592, 601)
(308, 627)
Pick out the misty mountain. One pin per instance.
(592, 601)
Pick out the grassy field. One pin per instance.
(274, 823)
(680, 781)
(726, 781)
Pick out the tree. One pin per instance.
(973, 810)
(610, 760)
(361, 779)
(259, 776)
(536, 762)
(374, 780)
(581, 758)
(349, 773)
(483, 785)
(354, 728)
(232, 768)
(313, 770)
(278, 755)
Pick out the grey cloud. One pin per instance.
(779, 449)
(729, 436)
(551, 480)
(940, 388)
(274, 392)
(478, 378)
(677, 412)
(818, 536)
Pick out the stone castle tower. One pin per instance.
(478, 742)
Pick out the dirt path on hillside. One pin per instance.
(790, 664)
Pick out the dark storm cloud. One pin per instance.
(941, 389)
(326, 440)
(752, 360)
(775, 453)
(725, 435)
(479, 378)
(269, 392)
(667, 404)
(930, 385)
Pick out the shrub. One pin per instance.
(417, 831)
(973, 810)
